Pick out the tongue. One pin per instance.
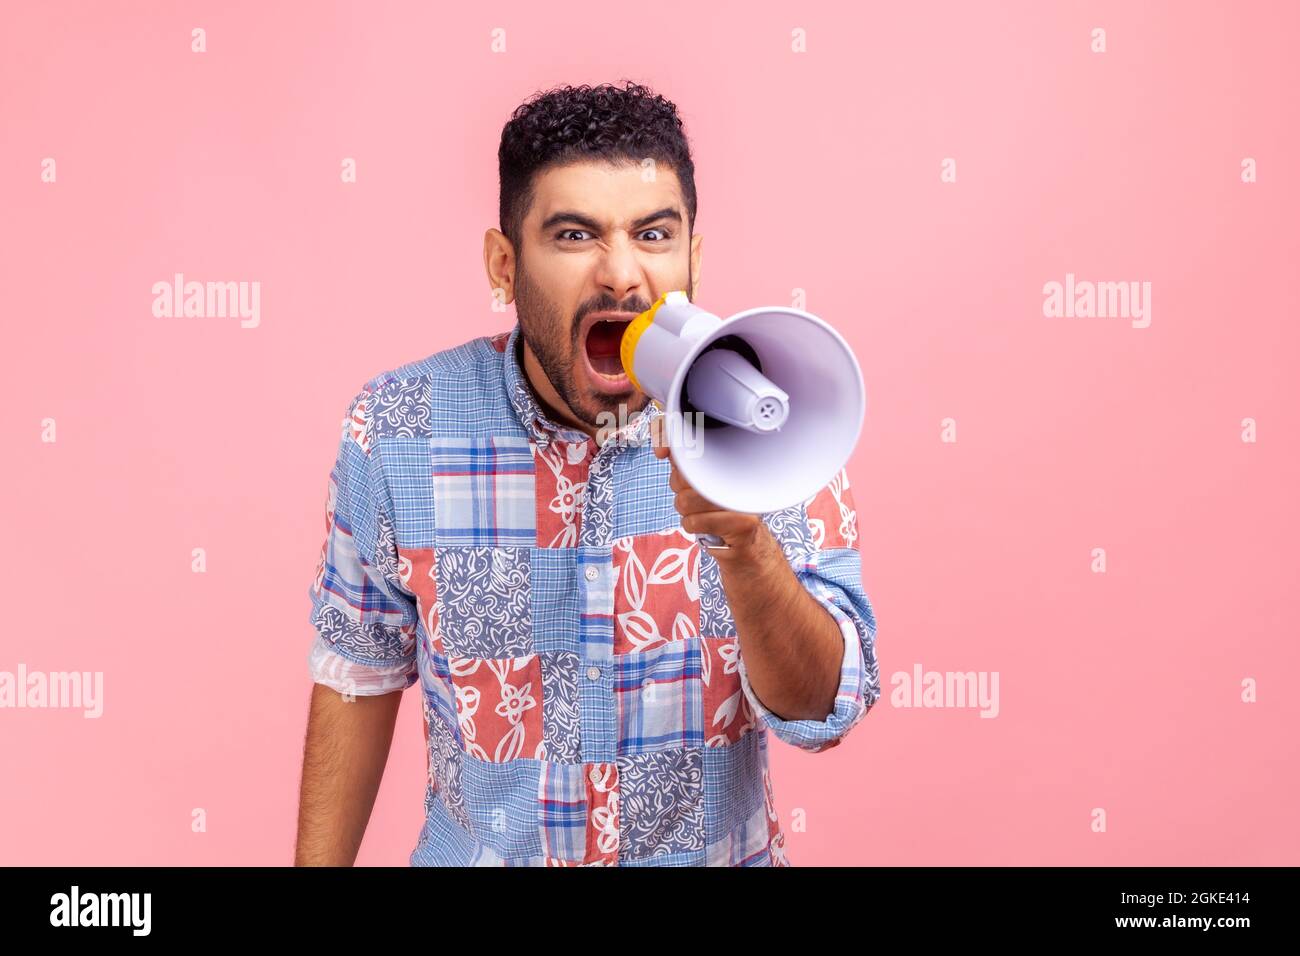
(603, 343)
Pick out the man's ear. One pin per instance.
(499, 261)
(697, 262)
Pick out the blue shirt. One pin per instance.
(585, 701)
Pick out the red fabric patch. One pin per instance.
(560, 471)
(416, 570)
(656, 590)
(776, 839)
(602, 814)
(499, 706)
(832, 515)
(727, 713)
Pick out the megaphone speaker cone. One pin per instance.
(768, 404)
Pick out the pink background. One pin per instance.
(817, 171)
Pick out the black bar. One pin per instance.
(858, 907)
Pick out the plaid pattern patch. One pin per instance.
(483, 491)
(660, 699)
(584, 695)
(562, 810)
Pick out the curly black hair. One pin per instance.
(570, 123)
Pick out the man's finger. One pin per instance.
(657, 438)
(721, 523)
(676, 482)
(690, 501)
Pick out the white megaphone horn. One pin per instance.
(772, 398)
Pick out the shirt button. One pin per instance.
(591, 573)
(594, 775)
(593, 673)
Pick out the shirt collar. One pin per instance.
(535, 421)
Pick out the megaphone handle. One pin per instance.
(711, 541)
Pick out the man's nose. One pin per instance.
(620, 271)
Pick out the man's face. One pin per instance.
(599, 246)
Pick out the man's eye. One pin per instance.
(663, 234)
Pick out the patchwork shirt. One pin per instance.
(584, 696)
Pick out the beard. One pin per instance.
(553, 339)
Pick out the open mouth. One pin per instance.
(601, 346)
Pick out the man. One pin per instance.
(506, 528)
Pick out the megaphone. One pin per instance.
(771, 400)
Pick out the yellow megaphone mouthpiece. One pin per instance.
(627, 347)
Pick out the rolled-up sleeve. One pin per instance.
(821, 543)
(364, 622)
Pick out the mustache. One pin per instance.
(635, 306)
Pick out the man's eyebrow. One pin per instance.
(586, 222)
